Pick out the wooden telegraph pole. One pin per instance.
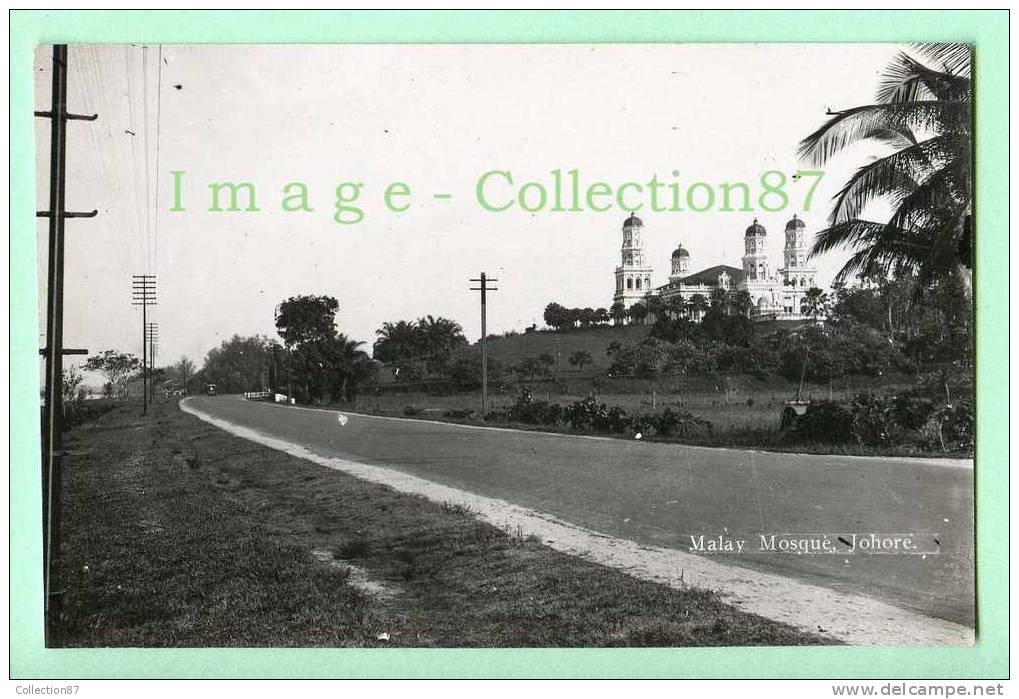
(54, 350)
(143, 293)
(483, 287)
(152, 335)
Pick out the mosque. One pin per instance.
(776, 294)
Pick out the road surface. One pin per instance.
(671, 495)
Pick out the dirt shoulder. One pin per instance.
(179, 534)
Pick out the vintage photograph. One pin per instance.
(466, 346)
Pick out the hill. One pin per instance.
(512, 349)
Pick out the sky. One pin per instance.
(435, 118)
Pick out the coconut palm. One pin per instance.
(698, 306)
(618, 313)
(815, 303)
(922, 119)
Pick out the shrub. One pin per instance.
(949, 429)
(412, 410)
(825, 422)
(910, 409)
(532, 412)
(672, 423)
(872, 422)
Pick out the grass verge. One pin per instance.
(178, 534)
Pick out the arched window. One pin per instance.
(629, 282)
(638, 282)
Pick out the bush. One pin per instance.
(672, 423)
(532, 412)
(949, 429)
(589, 414)
(825, 422)
(910, 409)
(872, 421)
(412, 410)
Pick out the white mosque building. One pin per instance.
(776, 295)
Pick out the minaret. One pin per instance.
(797, 272)
(680, 263)
(633, 278)
(755, 258)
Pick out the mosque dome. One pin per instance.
(756, 230)
(795, 223)
(632, 221)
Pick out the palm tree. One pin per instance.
(638, 312)
(655, 306)
(923, 118)
(698, 305)
(743, 303)
(618, 312)
(815, 302)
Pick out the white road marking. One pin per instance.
(852, 618)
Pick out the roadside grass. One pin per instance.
(179, 534)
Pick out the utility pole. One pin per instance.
(483, 287)
(54, 350)
(143, 293)
(152, 335)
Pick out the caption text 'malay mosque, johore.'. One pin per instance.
(775, 295)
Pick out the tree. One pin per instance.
(698, 306)
(618, 312)
(239, 364)
(742, 303)
(185, 370)
(815, 303)
(922, 122)
(638, 312)
(580, 358)
(555, 316)
(118, 368)
(439, 337)
(302, 319)
(655, 306)
(70, 382)
(396, 341)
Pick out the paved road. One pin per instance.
(663, 494)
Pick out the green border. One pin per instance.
(988, 30)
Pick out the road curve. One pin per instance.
(666, 495)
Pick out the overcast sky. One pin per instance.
(435, 117)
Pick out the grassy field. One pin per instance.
(743, 410)
(729, 402)
(178, 534)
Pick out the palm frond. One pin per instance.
(955, 58)
(907, 80)
(852, 125)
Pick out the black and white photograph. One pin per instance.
(506, 345)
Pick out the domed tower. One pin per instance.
(797, 275)
(795, 243)
(633, 277)
(680, 263)
(755, 256)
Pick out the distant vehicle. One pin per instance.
(210, 389)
